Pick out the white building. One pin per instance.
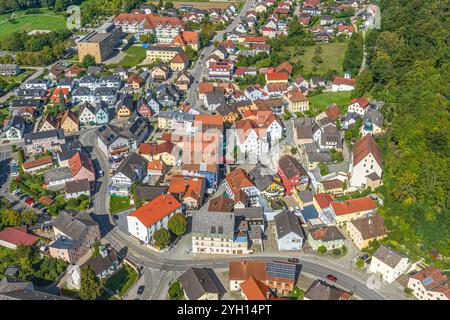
(358, 105)
(143, 222)
(288, 231)
(430, 284)
(389, 263)
(366, 162)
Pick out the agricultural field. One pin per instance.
(46, 20)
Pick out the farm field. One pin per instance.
(47, 20)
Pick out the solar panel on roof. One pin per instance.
(281, 270)
(427, 281)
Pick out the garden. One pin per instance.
(121, 281)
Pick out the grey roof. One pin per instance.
(389, 256)
(319, 157)
(306, 196)
(81, 91)
(91, 70)
(178, 115)
(105, 91)
(215, 97)
(73, 226)
(374, 116)
(303, 126)
(198, 281)
(251, 213)
(32, 92)
(130, 163)
(320, 290)
(30, 137)
(287, 222)
(291, 166)
(213, 223)
(27, 103)
(148, 193)
(57, 174)
(64, 243)
(108, 134)
(330, 233)
(262, 177)
(15, 289)
(77, 186)
(103, 262)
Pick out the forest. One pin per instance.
(408, 68)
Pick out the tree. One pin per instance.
(176, 291)
(359, 263)
(364, 82)
(11, 218)
(169, 5)
(162, 237)
(322, 249)
(177, 224)
(91, 287)
(28, 216)
(337, 251)
(147, 38)
(354, 54)
(88, 60)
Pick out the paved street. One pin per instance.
(198, 67)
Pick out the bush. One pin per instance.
(337, 252)
(322, 249)
(359, 263)
(175, 291)
(177, 224)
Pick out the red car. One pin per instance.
(331, 277)
(29, 201)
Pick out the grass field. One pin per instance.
(332, 56)
(119, 204)
(122, 280)
(47, 20)
(319, 102)
(134, 56)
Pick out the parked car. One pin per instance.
(140, 290)
(331, 277)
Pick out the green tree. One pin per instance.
(162, 237)
(168, 5)
(354, 54)
(91, 287)
(88, 60)
(28, 216)
(176, 291)
(364, 82)
(11, 218)
(359, 263)
(322, 249)
(177, 224)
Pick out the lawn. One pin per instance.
(119, 204)
(332, 56)
(122, 280)
(134, 56)
(47, 20)
(321, 101)
(19, 78)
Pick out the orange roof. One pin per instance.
(362, 101)
(297, 96)
(346, 28)
(341, 80)
(204, 87)
(242, 270)
(156, 209)
(155, 165)
(255, 39)
(254, 289)
(151, 20)
(209, 119)
(435, 274)
(180, 58)
(277, 76)
(36, 163)
(323, 200)
(238, 179)
(186, 38)
(353, 205)
(46, 200)
(285, 66)
(188, 186)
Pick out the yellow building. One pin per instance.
(100, 44)
(297, 101)
(69, 122)
(123, 112)
(363, 231)
(179, 62)
(163, 53)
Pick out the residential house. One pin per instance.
(188, 190)
(240, 188)
(75, 233)
(343, 83)
(372, 123)
(81, 166)
(217, 233)
(321, 290)
(69, 122)
(11, 237)
(33, 165)
(87, 114)
(201, 284)
(133, 168)
(154, 215)
(327, 236)
(267, 181)
(41, 141)
(389, 263)
(297, 102)
(76, 188)
(292, 174)
(15, 129)
(430, 284)
(349, 210)
(364, 230)
(125, 107)
(288, 231)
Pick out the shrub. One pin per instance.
(322, 249)
(337, 251)
(175, 291)
(359, 263)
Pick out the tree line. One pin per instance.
(408, 67)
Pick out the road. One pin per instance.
(198, 68)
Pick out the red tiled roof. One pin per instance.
(341, 80)
(189, 186)
(254, 289)
(18, 236)
(353, 205)
(362, 101)
(323, 199)
(277, 76)
(36, 163)
(156, 209)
